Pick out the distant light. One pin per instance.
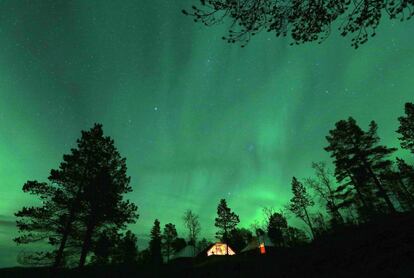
(262, 248)
(155, 108)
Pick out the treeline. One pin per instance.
(84, 215)
(368, 181)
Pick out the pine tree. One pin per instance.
(226, 221)
(126, 251)
(300, 203)
(405, 178)
(406, 128)
(168, 238)
(155, 244)
(45, 223)
(105, 246)
(178, 244)
(106, 183)
(239, 238)
(358, 157)
(276, 228)
(203, 244)
(83, 197)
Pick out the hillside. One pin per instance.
(381, 248)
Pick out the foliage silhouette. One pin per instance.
(192, 224)
(324, 187)
(226, 221)
(304, 20)
(276, 229)
(359, 158)
(155, 244)
(83, 197)
(300, 203)
(239, 238)
(169, 236)
(406, 128)
(126, 252)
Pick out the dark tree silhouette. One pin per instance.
(325, 188)
(239, 238)
(295, 237)
(168, 238)
(203, 244)
(304, 20)
(405, 178)
(126, 251)
(300, 203)
(46, 223)
(102, 200)
(225, 221)
(104, 247)
(82, 197)
(193, 226)
(406, 128)
(178, 244)
(359, 158)
(276, 228)
(155, 244)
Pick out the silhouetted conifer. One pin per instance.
(84, 196)
(358, 157)
(106, 182)
(406, 128)
(239, 238)
(169, 236)
(300, 203)
(104, 247)
(225, 221)
(45, 223)
(155, 244)
(126, 251)
(276, 229)
(178, 244)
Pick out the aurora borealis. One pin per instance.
(197, 119)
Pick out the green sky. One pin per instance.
(198, 119)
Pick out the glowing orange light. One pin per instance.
(262, 248)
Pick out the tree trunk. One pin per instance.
(309, 222)
(86, 242)
(407, 193)
(367, 208)
(59, 254)
(381, 189)
(66, 232)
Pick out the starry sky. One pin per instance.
(198, 119)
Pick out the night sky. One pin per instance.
(197, 119)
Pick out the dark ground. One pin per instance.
(382, 248)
